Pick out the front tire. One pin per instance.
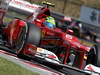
(94, 56)
(33, 37)
(97, 63)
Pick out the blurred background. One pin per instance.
(70, 7)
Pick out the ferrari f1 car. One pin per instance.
(29, 39)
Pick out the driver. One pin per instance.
(42, 18)
(50, 22)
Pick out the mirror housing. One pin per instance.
(70, 31)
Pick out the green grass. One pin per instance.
(9, 68)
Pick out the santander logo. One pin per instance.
(24, 5)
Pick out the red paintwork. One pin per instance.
(29, 50)
(51, 56)
(71, 40)
(13, 30)
(66, 40)
(74, 42)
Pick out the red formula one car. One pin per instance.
(29, 39)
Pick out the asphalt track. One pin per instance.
(39, 68)
(30, 65)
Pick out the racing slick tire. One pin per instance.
(97, 62)
(34, 34)
(94, 55)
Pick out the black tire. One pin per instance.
(34, 34)
(94, 56)
(31, 34)
(97, 59)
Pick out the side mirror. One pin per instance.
(70, 31)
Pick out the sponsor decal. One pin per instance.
(24, 5)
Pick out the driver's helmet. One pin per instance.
(50, 22)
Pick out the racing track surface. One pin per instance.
(30, 65)
(39, 68)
